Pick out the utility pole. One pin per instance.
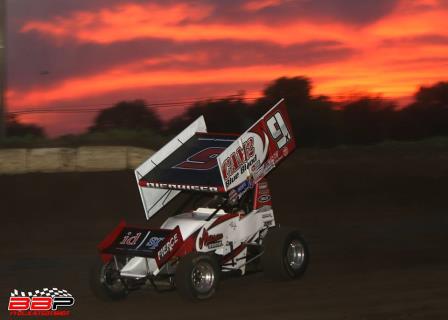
(2, 68)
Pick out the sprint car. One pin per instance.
(225, 225)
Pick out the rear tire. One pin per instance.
(286, 254)
(105, 281)
(197, 276)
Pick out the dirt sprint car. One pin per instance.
(229, 226)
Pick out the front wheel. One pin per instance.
(105, 280)
(197, 276)
(286, 254)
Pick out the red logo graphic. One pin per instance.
(207, 239)
(202, 160)
(45, 302)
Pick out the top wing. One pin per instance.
(210, 162)
(258, 150)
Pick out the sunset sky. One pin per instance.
(84, 53)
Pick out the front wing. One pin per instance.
(159, 244)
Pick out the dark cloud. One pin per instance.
(352, 11)
(443, 3)
(406, 63)
(20, 10)
(343, 11)
(36, 61)
(426, 39)
(232, 53)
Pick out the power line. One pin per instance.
(96, 108)
(157, 104)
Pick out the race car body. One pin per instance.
(228, 230)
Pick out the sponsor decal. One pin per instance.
(169, 247)
(240, 190)
(244, 186)
(239, 161)
(157, 185)
(43, 303)
(261, 171)
(211, 241)
(137, 241)
(267, 216)
(130, 239)
(153, 243)
(249, 151)
(238, 158)
(262, 186)
(264, 198)
(233, 195)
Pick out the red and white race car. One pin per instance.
(226, 223)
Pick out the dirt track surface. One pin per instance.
(377, 228)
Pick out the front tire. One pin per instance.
(105, 281)
(197, 276)
(286, 254)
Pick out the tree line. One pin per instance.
(317, 120)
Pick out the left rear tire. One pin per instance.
(105, 281)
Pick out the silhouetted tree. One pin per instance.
(223, 115)
(436, 95)
(14, 128)
(367, 120)
(127, 115)
(295, 90)
(427, 116)
(319, 124)
(314, 121)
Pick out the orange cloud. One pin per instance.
(179, 22)
(122, 79)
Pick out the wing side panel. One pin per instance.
(258, 150)
(155, 199)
